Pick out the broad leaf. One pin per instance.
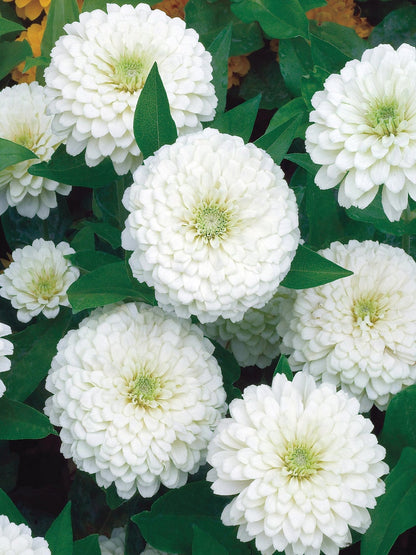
(220, 50)
(397, 27)
(19, 421)
(153, 125)
(87, 546)
(283, 367)
(7, 26)
(303, 160)
(8, 508)
(395, 511)
(277, 142)
(204, 543)
(109, 233)
(287, 112)
(312, 83)
(295, 61)
(310, 269)
(90, 260)
(59, 535)
(240, 120)
(12, 53)
(13, 153)
(230, 370)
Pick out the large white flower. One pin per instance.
(252, 340)
(38, 278)
(303, 464)
(99, 68)
(23, 120)
(16, 539)
(357, 332)
(6, 348)
(213, 226)
(137, 395)
(364, 130)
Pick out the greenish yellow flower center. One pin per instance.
(301, 461)
(211, 221)
(24, 137)
(45, 284)
(384, 118)
(144, 389)
(130, 73)
(367, 309)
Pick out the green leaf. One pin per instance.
(399, 429)
(108, 201)
(8, 508)
(13, 153)
(34, 348)
(277, 142)
(312, 83)
(9, 467)
(310, 269)
(12, 53)
(220, 50)
(168, 526)
(311, 4)
(19, 421)
(134, 541)
(230, 370)
(72, 170)
(205, 544)
(397, 27)
(303, 160)
(395, 511)
(280, 20)
(38, 61)
(87, 546)
(210, 18)
(112, 499)
(59, 535)
(153, 125)
(90, 260)
(7, 26)
(287, 112)
(295, 60)
(283, 367)
(108, 284)
(240, 120)
(60, 13)
(109, 233)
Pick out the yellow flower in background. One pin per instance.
(238, 66)
(31, 9)
(33, 35)
(343, 12)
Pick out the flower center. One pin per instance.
(144, 389)
(384, 118)
(367, 311)
(45, 284)
(301, 461)
(24, 137)
(129, 73)
(211, 221)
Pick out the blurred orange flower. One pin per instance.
(238, 66)
(173, 8)
(33, 35)
(343, 12)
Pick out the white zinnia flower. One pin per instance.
(99, 68)
(137, 395)
(23, 120)
(302, 463)
(252, 340)
(115, 544)
(38, 278)
(357, 332)
(213, 226)
(6, 348)
(16, 539)
(364, 130)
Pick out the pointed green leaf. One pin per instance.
(220, 50)
(312, 83)
(240, 120)
(60, 13)
(12, 53)
(8, 508)
(293, 108)
(204, 543)
(13, 153)
(7, 26)
(295, 61)
(90, 260)
(59, 535)
(87, 546)
(230, 369)
(303, 160)
(38, 61)
(19, 421)
(34, 348)
(109, 233)
(72, 170)
(310, 269)
(397, 27)
(283, 367)
(277, 142)
(153, 124)
(395, 511)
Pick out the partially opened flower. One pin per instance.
(252, 340)
(6, 348)
(16, 539)
(115, 544)
(137, 395)
(213, 226)
(23, 120)
(363, 130)
(302, 464)
(99, 68)
(357, 332)
(38, 279)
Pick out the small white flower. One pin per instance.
(6, 348)
(364, 130)
(38, 278)
(115, 544)
(252, 340)
(213, 226)
(302, 463)
(357, 332)
(137, 395)
(23, 120)
(16, 539)
(99, 68)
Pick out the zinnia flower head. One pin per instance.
(213, 226)
(6, 348)
(137, 395)
(302, 463)
(23, 120)
(252, 340)
(38, 278)
(100, 66)
(115, 544)
(16, 539)
(357, 332)
(363, 130)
